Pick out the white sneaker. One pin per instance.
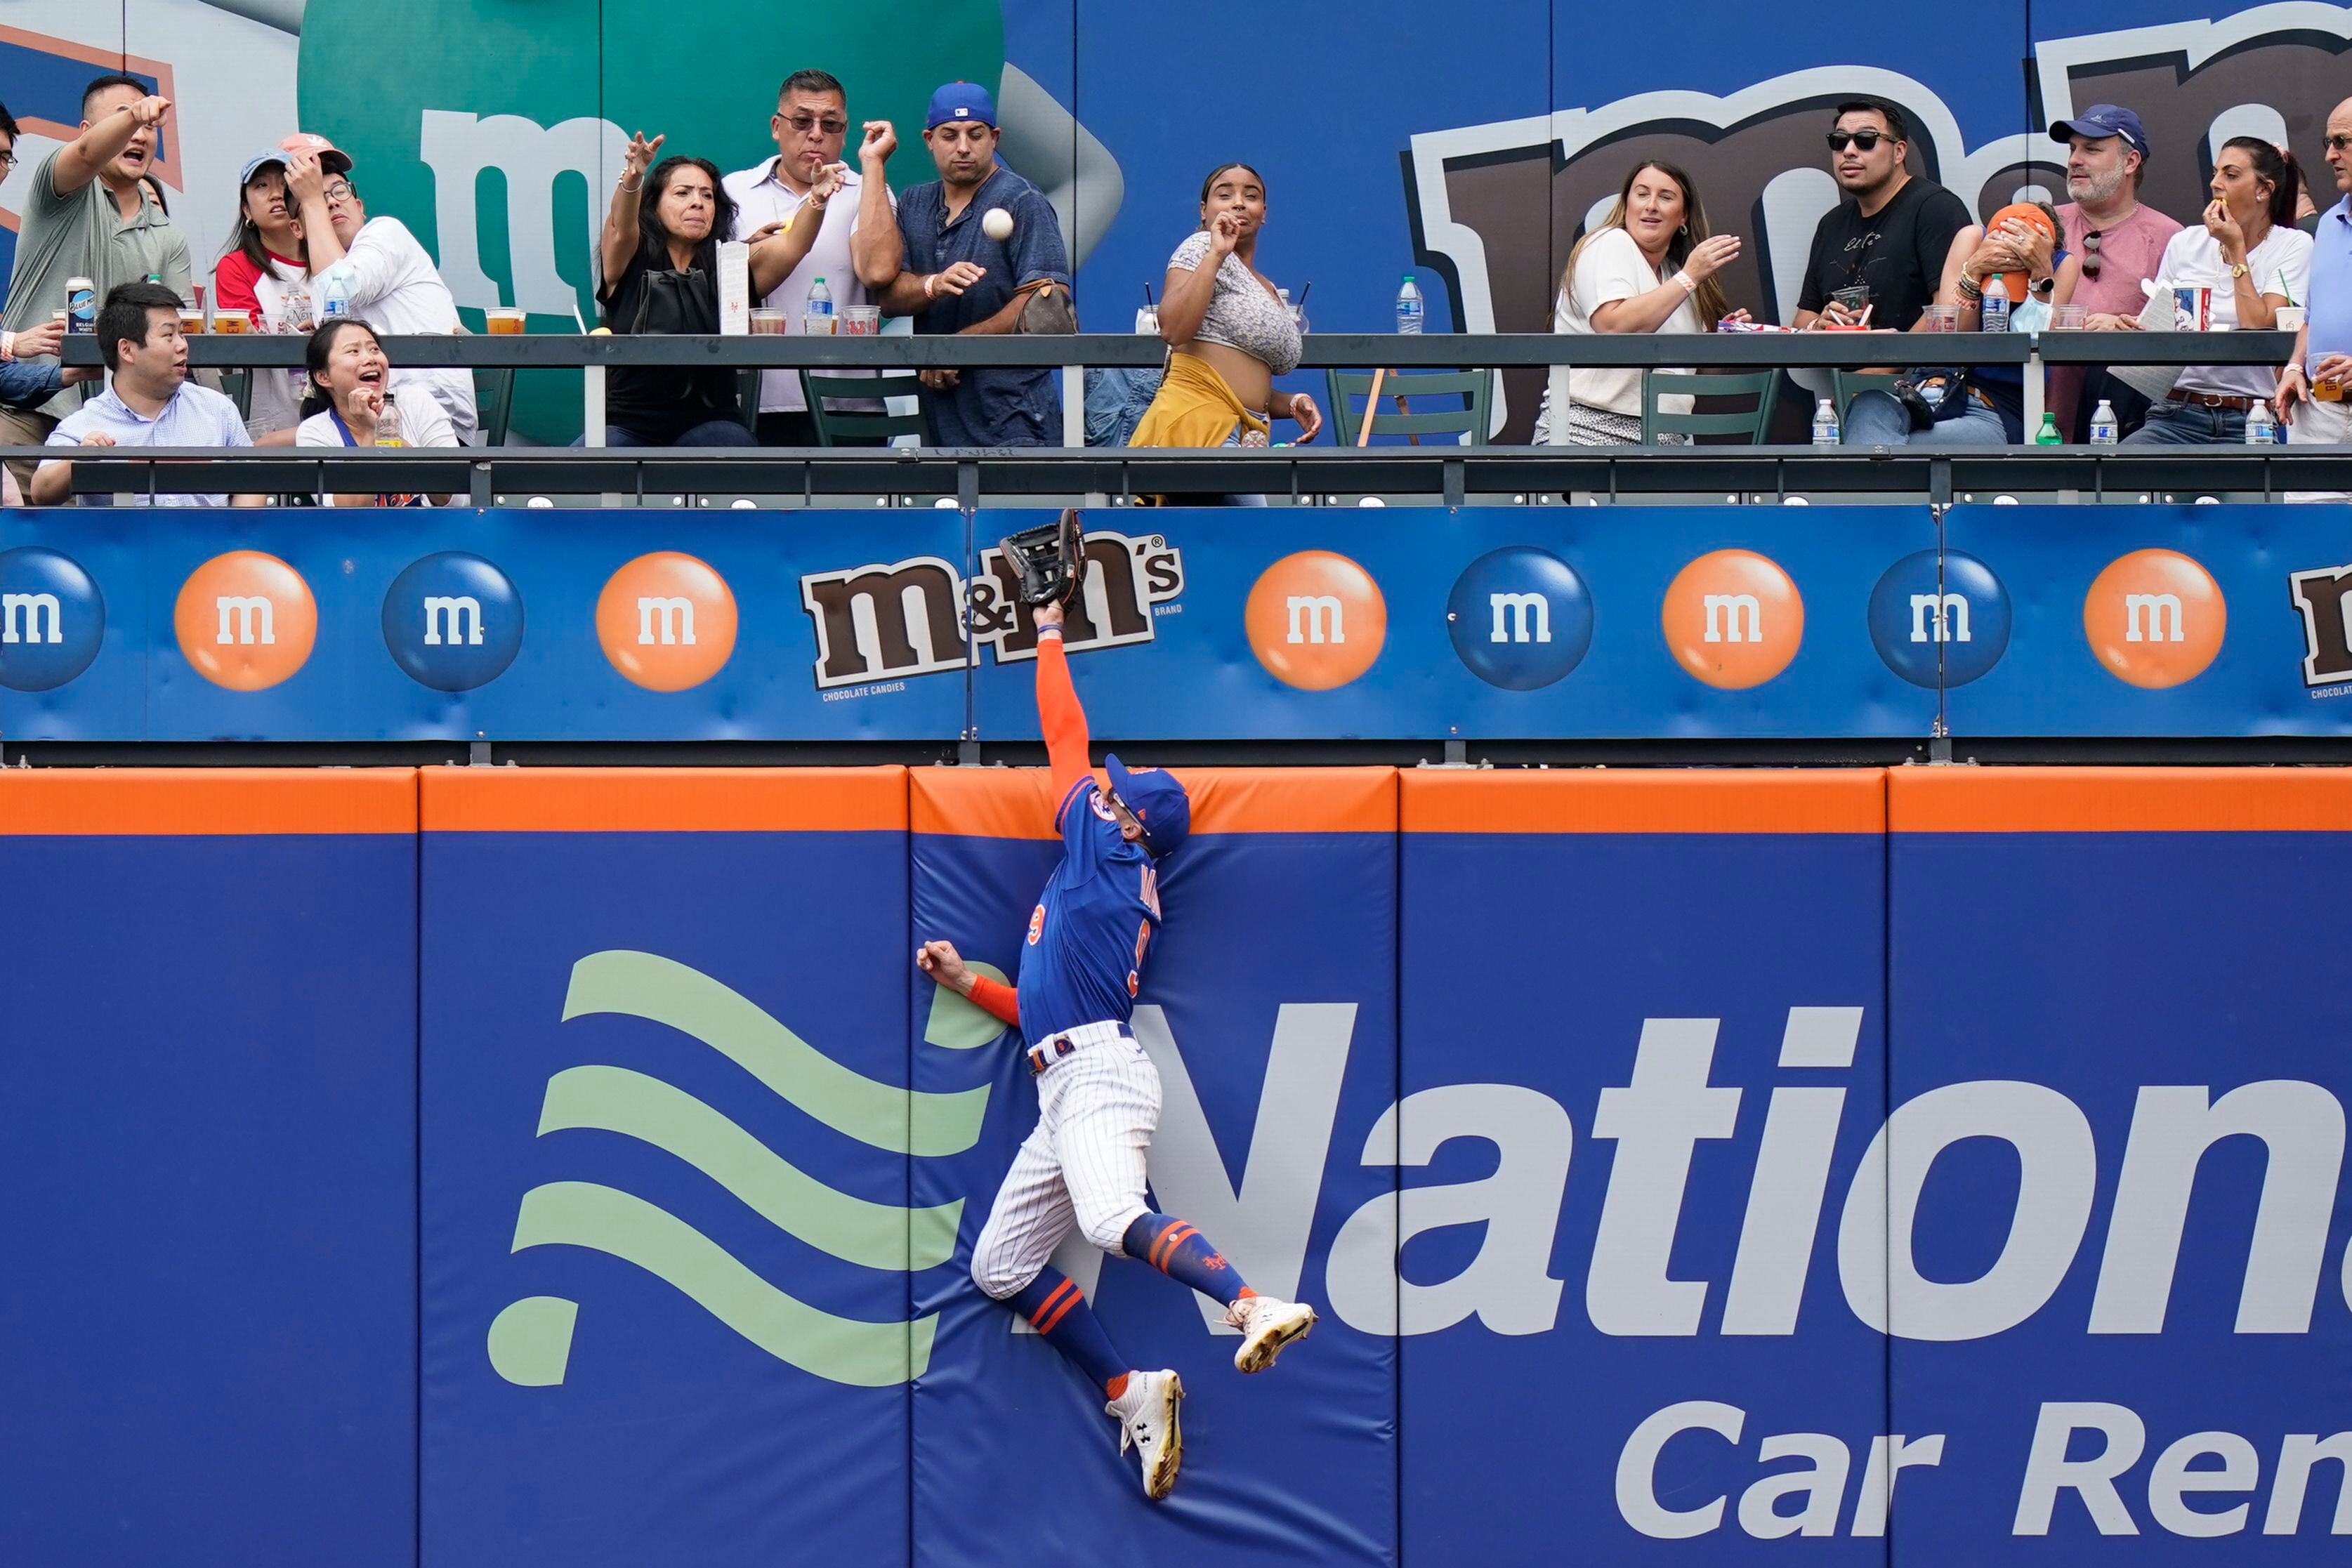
(1146, 1414)
(1267, 1323)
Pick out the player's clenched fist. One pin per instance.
(943, 963)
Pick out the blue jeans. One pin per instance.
(2173, 424)
(710, 432)
(1877, 418)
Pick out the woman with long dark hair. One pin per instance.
(1228, 336)
(2250, 255)
(659, 251)
(261, 273)
(348, 400)
(1650, 265)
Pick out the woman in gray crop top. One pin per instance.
(1228, 335)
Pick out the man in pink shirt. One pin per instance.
(2120, 242)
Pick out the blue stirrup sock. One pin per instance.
(1057, 1310)
(1182, 1254)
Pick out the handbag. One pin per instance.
(1048, 308)
(1948, 382)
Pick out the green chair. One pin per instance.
(1350, 389)
(494, 393)
(1849, 384)
(1754, 427)
(822, 390)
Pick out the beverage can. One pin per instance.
(81, 306)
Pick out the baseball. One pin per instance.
(996, 223)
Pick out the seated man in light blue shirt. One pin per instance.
(2311, 389)
(150, 402)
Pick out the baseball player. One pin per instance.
(1098, 1092)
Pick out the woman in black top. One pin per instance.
(660, 255)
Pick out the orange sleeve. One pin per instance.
(1060, 716)
(997, 998)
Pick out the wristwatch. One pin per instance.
(2240, 270)
(2046, 287)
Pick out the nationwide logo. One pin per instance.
(2319, 596)
(889, 621)
(2153, 618)
(1519, 617)
(1732, 619)
(245, 620)
(530, 1342)
(52, 619)
(1315, 620)
(453, 620)
(1940, 617)
(666, 621)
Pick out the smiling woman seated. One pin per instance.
(344, 403)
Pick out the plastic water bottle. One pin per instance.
(1408, 311)
(2048, 434)
(334, 293)
(1825, 424)
(388, 422)
(2261, 429)
(2103, 424)
(1995, 303)
(816, 319)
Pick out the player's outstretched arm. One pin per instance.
(1058, 713)
(943, 963)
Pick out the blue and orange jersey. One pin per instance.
(1082, 958)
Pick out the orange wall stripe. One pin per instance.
(1018, 803)
(2120, 799)
(663, 800)
(1646, 801)
(195, 802)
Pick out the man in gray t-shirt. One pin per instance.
(85, 215)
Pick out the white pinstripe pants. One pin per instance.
(1082, 1165)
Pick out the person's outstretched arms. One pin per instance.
(1058, 713)
(942, 962)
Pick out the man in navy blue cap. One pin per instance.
(951, 277)
(1098, 1092)
(2120, 242)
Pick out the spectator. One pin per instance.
(2323, 350)
(25, 384)
(1650, 267)
(2250, 253)
(154, 189)
(86, 217)
(2119, 242)
(1984, 405)
(263, 274)
(1228, 336)
(949, 274)
(385, 273)
(810, 120)
(1883, 249)
(347, 379)
(150, 401)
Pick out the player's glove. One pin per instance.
(1049, 559)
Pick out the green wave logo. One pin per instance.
(530, 1342)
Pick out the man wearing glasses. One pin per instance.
(807, 182)
(1881, 249)
(2120, 242)
(388, 278)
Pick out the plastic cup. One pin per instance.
(862, 321)
(232, 323)
(1853, 297)
(192, 320)
(501, 321)
(2070, 318)
(768, 323)
(1941, 318)
(2291, 317)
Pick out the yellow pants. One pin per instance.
(1194, 408)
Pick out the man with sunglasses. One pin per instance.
(806, 181)
(388, 278)
(2323, 348)
(1881, 249)
(2120, 242)
(1098, 1094)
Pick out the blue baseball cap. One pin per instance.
(1158, 801)
(961, 100)
(2102, 120)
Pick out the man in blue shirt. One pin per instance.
(2323, 350)
(150, 401)
(951, 277)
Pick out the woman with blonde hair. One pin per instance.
(1650, 265)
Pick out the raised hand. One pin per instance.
(880, 141)
(1710, 257)
(642, 153)
(1225, 232)
(959, 277)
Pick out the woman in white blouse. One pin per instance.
(1650, 267)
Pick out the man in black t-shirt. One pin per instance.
(1889, 234)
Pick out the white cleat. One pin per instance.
(1146, 1414)
(1267, 1323)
